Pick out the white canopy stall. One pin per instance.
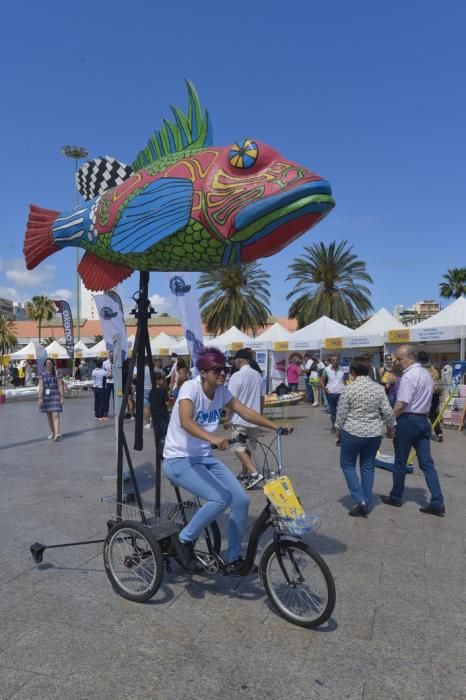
(81, 351)
(313, 336)
(163, 344)
(56, 351)
(26, 353)
(277, 337)
(443, 335)
(98, 350)
(232, 339)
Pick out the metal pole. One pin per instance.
(77, 153)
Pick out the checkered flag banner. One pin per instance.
(101, 174)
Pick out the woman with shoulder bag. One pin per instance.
(363, 410)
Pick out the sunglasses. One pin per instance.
(218, 370)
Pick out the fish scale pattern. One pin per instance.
(191, 248)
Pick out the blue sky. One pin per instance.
(370, 95)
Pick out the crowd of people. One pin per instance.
(401, 400)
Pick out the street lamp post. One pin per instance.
(77, 153)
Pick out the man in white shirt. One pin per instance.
(413, 430)
(246, 386)
(333, 384)
(108, 367)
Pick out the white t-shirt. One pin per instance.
(206, 413)
(335, 377)
(108, 367)
(246, 386)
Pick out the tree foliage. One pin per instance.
(8, 338)
(329, 280)
(454, 284)
(40, 309)
(235, 296)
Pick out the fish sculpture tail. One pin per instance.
(39, 242)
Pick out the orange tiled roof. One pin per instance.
(88, 329)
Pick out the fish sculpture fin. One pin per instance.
(101, 174)
(39, 242)
(157, 211)
(100, 275)
(193, 130)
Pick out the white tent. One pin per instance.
(232, 339)
(181, 348)
(312, 336)
(56, 351)
(163, 344)
(372, 332)
(98, 350)
(81, 351)
(271, 339)
(26, 353)
(452, 315)
(448, 326)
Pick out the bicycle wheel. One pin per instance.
(187, 510)
(307, 597)
(133, 561)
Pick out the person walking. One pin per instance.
(389, 380)
(51, 397)
(413, 402)
(363, 410)
(246, 386)
(109, 387)
(292, 374)
(332, 382)
(307, 364)
(317, 368)
(424, 360)
(99, 376)
(178, 378)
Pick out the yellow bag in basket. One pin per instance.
(281, 493)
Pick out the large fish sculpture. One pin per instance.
(182, 205)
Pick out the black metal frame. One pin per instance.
(141, 351)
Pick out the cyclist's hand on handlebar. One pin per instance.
(284, 430)
(219, 443)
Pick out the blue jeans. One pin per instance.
(99, 402)
(309, 392)
(365, 448)
(413, 431)
(333, 400)
(212, 481)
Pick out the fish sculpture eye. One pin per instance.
(244, 154)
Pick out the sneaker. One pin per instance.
(439, 438)
(253, 480)
(184, 552)
(433, 510)
(236, 568)
(132, 418)
(242, 476)
(316, 404)
(147, 426)
(51, 436)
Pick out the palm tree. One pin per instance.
(455, 283)
(97, 338)
(8, 339)
(47, 341)
(236, 296)
(40, 309)
(327, 279)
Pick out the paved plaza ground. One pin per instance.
(398, 629)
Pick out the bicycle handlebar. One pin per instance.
(242, 439)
